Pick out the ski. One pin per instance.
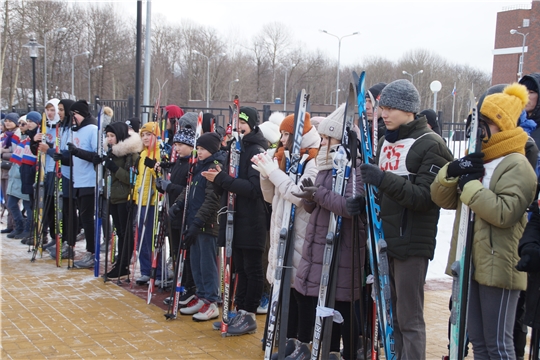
(177, 290)
(98, 196)
(376, 244)
(281, 289)
(461, 268)
(40, 194)
(327, 288)
(234, 164)
(58, 204)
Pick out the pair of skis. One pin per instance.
(278, 310)
(40, 194)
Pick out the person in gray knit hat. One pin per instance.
(408, 159)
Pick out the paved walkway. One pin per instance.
(53, 313)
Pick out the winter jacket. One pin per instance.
(500, 207)
(308, 275)
(408, 214)
(277, 189)
(203, 202)
(179, 173)
(14, 175)
(147, 175)
(125, 155)
(250, 211)
(532, 297)
(27, 171)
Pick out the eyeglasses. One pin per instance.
(22, 123)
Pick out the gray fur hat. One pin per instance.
(402, 95)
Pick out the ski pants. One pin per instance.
(248, 265)
(119, 213)
(407, 279)
(490, 321)
(86, 215)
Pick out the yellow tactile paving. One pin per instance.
(55, 313)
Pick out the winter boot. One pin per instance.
(244, 323)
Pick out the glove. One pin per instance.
(255, 160)
(267, 164)
(149, 162)
(109, 164)
(371, 174)
(356, 205)
(530, 258)
(468, 164)
(162, 184)
(57, 156)
(175, 209)
(464, 179)
(73, 150)
(190, 235)
(96, 159)
(308, 190)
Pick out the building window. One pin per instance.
(526, 23)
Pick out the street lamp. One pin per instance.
(338, 58)
(411, 75)
(45, 96)
(522, 58)
(335, 91)
(435, 87)
(285, 94)
(207, 74)
(230, 85)
(73, 72)
(89, 71)
(33, 48)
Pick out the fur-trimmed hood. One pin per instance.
(133, 144)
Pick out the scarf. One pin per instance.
(325, 157)
(280, 155)
(6, 143)
(504, 143)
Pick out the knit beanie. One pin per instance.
(288, 124)
(210, 141)
(185, 136)
(249, 115)
(151, 127)
(119, 129)
(431, 117)
(174, 112)
(401, 95)
(276, 118)
(13, 117)
(134, 123)
(332, 126)
(376, 89)
(207, 122)
(505, 108)
(270, 132)
(34, 116)
(316, 120)
(81, 107)
(188, 120)
(530, 83)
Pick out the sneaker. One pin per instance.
(290, 346)
(14, 233)
(186, 297)
(118, 271)
(6, 231)
(86, 262)
(193, 307)
(302, 352)
(81, 236)
(244, 323)
(263, 306)
(143, 279)
(22, 235)
(29, 240)
(209, 311)
(216, 325)
(65, 251)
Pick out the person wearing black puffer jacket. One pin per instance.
(249, 222)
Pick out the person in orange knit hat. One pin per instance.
(498, 184)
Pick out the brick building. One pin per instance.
(525, 19)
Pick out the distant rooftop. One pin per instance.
(517, 7)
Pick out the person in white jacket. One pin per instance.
(277, 188)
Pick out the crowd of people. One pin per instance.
(415, 173)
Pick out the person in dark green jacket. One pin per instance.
(409, 157)
(121, 160)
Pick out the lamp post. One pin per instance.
(89, 71)
(435, 87)
(285, 94)
(230, 85)
(335, 91)
(45, 96)
(412, 75)
(338, 59)
(73, 72)
(207, 74)
(33, 48)
(522, 58)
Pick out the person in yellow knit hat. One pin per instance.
(145, 187)
(498, 184)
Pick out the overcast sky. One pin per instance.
(461, 32)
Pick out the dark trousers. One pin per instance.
(187, 276)
(69, 235)
(248, 265)
(306, 314)
(86, 215)
(120, 215)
